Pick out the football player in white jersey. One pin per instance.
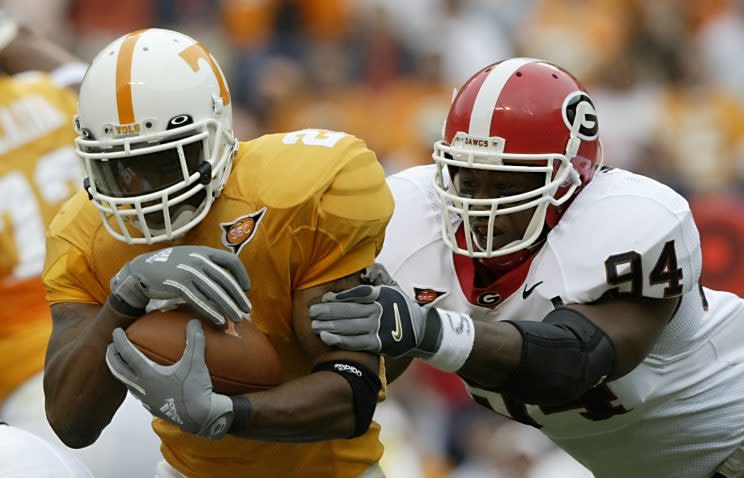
(24, 455)
(566, 295)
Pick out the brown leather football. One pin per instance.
(240, 359)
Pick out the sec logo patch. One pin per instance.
(236, 234)
(427, 295)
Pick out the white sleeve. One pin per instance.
(626, 245)
(69, 74)
(25, 454)
(415, 221)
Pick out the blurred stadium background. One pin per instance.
(666, 76)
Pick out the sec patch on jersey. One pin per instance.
(236, 234)
(240, 360)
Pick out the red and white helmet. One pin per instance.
(518, 115)
(155, 134)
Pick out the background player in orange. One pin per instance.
(38, 172)
(166, 180)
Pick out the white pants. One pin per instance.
(25, 455)
(164, 470)
(127, 448)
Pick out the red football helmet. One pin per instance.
(518, 115)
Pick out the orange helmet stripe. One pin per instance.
(192, 54)
(124, 78)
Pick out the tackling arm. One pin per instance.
(320, 406)
(550, 361)
(575, 348)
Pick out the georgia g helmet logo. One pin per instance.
(578, 107)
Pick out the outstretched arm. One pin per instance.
(583, 344)
(552, 360)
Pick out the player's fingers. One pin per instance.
(376, 274)
(233, 264)
(361, 294)
(194, 342)
(201, 304)
(217, 296)
(343, 310)
(202, 298)
(134, 359)
(360, 343)
(226, 281)
(365, 325)
(121, 370)
(215, 293)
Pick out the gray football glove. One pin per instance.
(214, 282)
(378, 319)
(376, 274)
(180, 393)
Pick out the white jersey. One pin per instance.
(24, 455)
(681, 411)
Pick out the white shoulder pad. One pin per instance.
(629, 235)
(415, 221)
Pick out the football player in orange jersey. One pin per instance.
(37, 173)
(175, 207)
(39, 170)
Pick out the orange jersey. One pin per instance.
(300, 209)
(38, 171)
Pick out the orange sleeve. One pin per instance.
(349, 227)
(68, 276)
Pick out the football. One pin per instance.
(240, 359)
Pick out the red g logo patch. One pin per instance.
(238, 233)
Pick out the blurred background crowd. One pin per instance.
(666, 76)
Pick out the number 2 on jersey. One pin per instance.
(314, 137)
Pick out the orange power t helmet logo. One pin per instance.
(124, 102)
(238, 233)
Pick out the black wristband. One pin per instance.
(122, 307)
(241, 415)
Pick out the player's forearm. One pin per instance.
(81, 394)
(30, 51)
(315, 407)
(394, 367)
(496, 353)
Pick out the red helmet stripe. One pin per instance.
(489, 93)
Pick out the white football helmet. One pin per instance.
(155, 134)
